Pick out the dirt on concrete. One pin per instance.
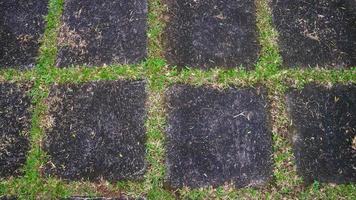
(97, 33)
(21, 28)
(96, 131)
(211, 33)
(323, 131)
(214, 137)
(316, 33)
(15, 124)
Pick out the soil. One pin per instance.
(211, 33)
(312, 34)
(96, 33)
(324, 129)
(21, 27)
(217, 136)
(15, 123)
(96, 131)
(103, 198)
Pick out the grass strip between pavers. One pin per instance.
(269, 73)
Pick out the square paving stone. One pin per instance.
(103, 32)
(15, 123)
(316, 33)
(324, 132)
(97, 131)
(217, 136)
(212, 33)
(21, 27)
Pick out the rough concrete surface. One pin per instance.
(15, 124)
(324, 132)
(211, 33)
(96, 130)
(316, 33)
(102, 32)
(21, 27)
(216, 136)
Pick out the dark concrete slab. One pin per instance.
(97, 131)
(103, 32)
(15, 123)
(7, 198)
(316, 33)
(217, 136)
(324, 132)
(21, 26)
(212, 33)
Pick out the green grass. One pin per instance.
(269, 73)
